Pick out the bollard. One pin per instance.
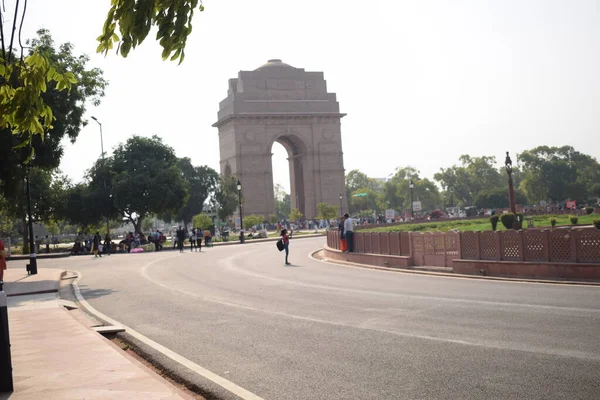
(6, 377)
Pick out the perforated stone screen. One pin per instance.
(511, 246)
(534, 243)
(488, 244)
(468, 245)
(588, 245)
(560, 245)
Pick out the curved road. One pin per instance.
(322, 331)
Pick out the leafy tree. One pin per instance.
(473, 175)
(559, 173)
(326, 211)
(82, 205)
(52, 227)
(358, 180)
(147, 224)
(24, 82)
(226, 197)
(68, 108)
(397, 192)
(253, 220)
(295, 215)
(364, 199)
(202, 221)
(283, 203)
(498, 198)
(201, 183)
(144, 179)
(135, 18)
(272, 218)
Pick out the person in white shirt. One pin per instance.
(349, 232)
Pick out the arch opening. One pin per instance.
(288, 174)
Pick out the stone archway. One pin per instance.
(278, 102)
(296, 150)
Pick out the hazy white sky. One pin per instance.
(422, 81)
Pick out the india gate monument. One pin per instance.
(279, 103)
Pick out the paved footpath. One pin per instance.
(56, 355)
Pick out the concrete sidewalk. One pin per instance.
(56, 355)
(18, 282)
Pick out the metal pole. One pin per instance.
(241, 217)
(32, 266)
(412, 207)
(6, 377)
(341, 210)
(104, 166)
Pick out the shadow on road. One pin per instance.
(95, 293)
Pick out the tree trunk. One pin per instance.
(137, 226)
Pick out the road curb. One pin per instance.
(221, 382)
(38, 256)
(450, 274)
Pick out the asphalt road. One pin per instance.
(321, 331)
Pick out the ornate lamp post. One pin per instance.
(239, 188)
(341, 211)
(411, 186)
(104, 165)
(511, 189)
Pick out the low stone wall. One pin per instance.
(378, 260)
(520, 269)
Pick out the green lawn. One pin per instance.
(480, 224)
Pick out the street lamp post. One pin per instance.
(451, 197)
(411, 186)
(32, 266)
(239, 188)
(341, 210)
(511, 189)
(104, 165)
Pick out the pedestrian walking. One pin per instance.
(107, 244)
(193, 239)
(47, 244)
(96, 245)
(286, 245)
(180, 239)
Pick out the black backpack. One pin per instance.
(280, 246)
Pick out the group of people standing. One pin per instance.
(195, 237)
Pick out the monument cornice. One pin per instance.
(277, 116)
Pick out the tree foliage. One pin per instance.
(356, 179)
(498, 198)
(83, 206)
(226, 197)
(559, 173)
(470, 177)
(253, 220)
(283, 203)
(68, 107)
(397, 192)
(24, 81)
(201, 183)
(326, 211)
(202, 221)
(129, 21)
(143, 178)
(295, 215)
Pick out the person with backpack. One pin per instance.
(285, 239)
